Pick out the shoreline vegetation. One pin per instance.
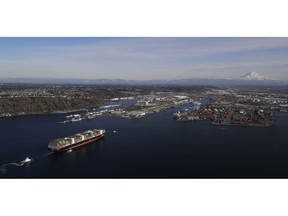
(38, 105)
(45, 113)
(17, 100)
(20, 100)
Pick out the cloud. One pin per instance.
(148, 58)
(165, 48)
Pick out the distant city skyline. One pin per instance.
(162, 58)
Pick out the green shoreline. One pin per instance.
(45, 113)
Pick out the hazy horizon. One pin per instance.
(168, 58)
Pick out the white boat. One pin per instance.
(197, 103)
(27, 160)
(76, 117)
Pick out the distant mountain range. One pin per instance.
(251, 78)
(254, 76)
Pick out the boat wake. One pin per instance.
(42, 155)
(3, 168)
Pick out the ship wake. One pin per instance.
(3, 168)
(43, 155)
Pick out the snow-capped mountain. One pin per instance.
(253, 76)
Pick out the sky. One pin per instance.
(147, 58)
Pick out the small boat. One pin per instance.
(63, 122)
(76, 118)
(27, 160)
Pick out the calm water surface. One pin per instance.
(152, 147)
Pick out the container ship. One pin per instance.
(77, 140)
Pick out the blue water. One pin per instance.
(155, 146)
